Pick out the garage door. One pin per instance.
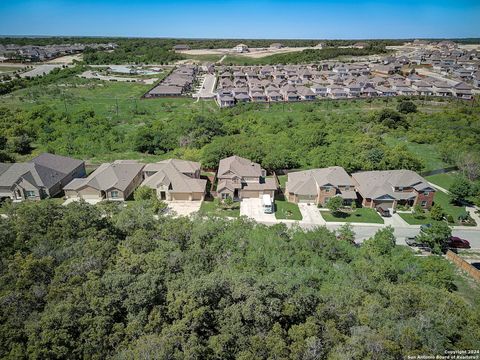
(250, 194)
(306, 199)
(197, 196)
(181, 197)
(384, 204)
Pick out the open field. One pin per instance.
(253, 52)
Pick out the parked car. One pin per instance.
(383, 211)
(413, 242)
(425, 227)
(456, 242)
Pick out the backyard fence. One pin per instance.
(464, 265)
(439, 171)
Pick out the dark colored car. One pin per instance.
(383, 211)
(456, 242)
(412, 241)
(424, 227)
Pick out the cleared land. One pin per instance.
(361, 215)
(253, 52)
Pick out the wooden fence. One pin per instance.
(464, 265)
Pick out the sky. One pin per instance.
(255, 19)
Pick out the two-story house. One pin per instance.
(317, 186)
(240, 178)
(386, 189)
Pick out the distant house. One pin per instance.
(175, 180)
(360, 45)
(276, 46)
(241, 48)
(44, 176)
(387, 189)
(181, 47)
(165, 91)
(317, 186)
(225, 98)
(463, 91)
(116, 181)
(239, 178)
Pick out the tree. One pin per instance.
(334, 204)
(346, 233)
(460, 189)
(391, 119)
(144, 193)
(437, 212)
(418, 212)
(436, 236)
(407, 107)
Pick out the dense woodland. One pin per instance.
(77, 284)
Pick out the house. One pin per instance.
(225, 99)
(239, 178)
(463, 91)
(181, 47)
(175, 180)
(44, 176)
(165, 91)
(276, 46)
(116, 181)
(240, 48)
(386, 189)
(317, 186)
(305, 93)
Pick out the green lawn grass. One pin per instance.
(410, 219)
(282, 179)
(445, 202)
(442, 180)
(285, 210)
(425, 152)
(361, 215)
(213, 208)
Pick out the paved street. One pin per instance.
(207, 87)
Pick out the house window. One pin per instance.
(225, 196)
(424, 203)
(400, 188)
(30, 193)
(114, 194)
(347, 188)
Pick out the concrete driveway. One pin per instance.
(253, 209)
(183, 208)
(311, 214)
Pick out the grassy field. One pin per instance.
(361, 215)
(285, 210)
(443, 180)
(410, 219)
(213, 208)
(426, 152)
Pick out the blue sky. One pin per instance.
(306, 19)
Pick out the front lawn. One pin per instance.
(213, 208)
(444, 201)
(411, 220)
(285, 210)
(361, 215)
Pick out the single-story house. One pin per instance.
(44, 176)
(386, 189)
(319, 185)
(115, 181)
(175, 180)
(240, 178)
